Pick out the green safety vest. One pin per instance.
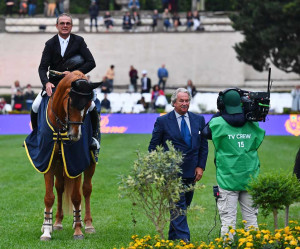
(236, 155)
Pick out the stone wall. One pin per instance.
(206, 58)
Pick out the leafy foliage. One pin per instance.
(272, 33)
(274, 191)
(154, 184)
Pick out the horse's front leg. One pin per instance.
(87, 190)
(59, 185)
(76, 200)
(48, 200)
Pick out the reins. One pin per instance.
(65, 125)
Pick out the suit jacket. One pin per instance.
(52, 59)
(148, 85)
(166, 128)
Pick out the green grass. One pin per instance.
(22, 194)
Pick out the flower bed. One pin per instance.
(288, 238)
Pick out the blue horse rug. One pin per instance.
(40, 145)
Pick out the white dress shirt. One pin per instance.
(63, 45)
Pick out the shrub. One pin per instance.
(274, 191)
(154, 184)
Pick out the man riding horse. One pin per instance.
(65, 52)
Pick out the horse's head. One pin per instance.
(74, 95)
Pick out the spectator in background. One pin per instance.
(165, 4)
(2, 105)
(110, 75)
(61, 7)
(46, 8)
(23, 7)
(189, 20)
(173, 5)
(105, 87)
(166, 18)
(176, 20)
(51, 7)
(191, 88)
(296, 99)
(297, 165)
(108, 21)
(197, 21)
(163, 75)
(154, 95)
(145, 82)
(136, 19)
(14, 90)
(105, 104)
(134, 5)
(133, 74)
(29, 97)
(32, 7)
(155, 17)
(18, 101)
(143, 102)
(127, 24)
(93, 11)
(9, 7)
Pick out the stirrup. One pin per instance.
(95, 144)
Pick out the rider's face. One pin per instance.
(64, 26)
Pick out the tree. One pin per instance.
(271, 30)
(154, 184)
(273, 191)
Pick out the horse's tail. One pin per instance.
(67, 201)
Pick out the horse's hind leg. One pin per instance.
(87, 190)
(49, 200)
(76, 200)
(59, 185)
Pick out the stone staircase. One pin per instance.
(211, 22)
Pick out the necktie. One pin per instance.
(185, 132)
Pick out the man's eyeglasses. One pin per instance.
(65, 24)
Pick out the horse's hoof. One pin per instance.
(44, 238)
(90, 230)
(78, 237)
(57, 227)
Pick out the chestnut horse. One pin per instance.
(66, 110)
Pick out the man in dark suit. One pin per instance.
(61, 54)
(183, 129)
(145, 83)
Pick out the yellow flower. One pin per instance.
(258, 236)
(277, 236)
(157, 244)
(271, 241)
(293, 242)
(171, 244)
(248, 244)
(232, 231)
(244, 221)
(266, 236)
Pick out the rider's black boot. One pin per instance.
(33, 117)
(96, 129)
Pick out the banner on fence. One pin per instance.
(275, 125)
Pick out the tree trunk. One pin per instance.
(287, 215)
(194, 5)
(275, 213)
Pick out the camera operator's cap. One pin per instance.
(232, 102)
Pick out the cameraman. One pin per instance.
(236, 141)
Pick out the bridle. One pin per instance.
(65, 125)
